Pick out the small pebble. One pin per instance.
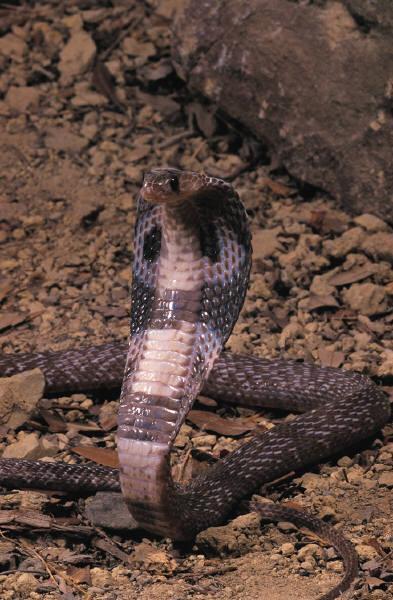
(335, 566)
(286, 526)
(287, 549)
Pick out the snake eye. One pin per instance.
(174, 183)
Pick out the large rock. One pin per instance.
(314, 80)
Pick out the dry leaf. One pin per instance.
(373, 542)
(133, 47)
(10, 319)
(103, 81)
(205, 118)
(64, 589)
(278, 188)
(5, 288)
(55, 422)
(212, 422)
(28, 517)
(101, 456)
(158, 70)
(351, 276)
(371, 326)
(33, 519)
(374, 582)
(111, 311)
(7, 516)
(316, 301)
(206, 401)
(92, 427)
(111, 548)
(325, 221)
(136, 154)
(163, 104)
(108, 416)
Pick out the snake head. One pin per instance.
(173, 187)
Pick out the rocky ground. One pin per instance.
(89, 100)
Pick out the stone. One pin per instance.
(355, 474)
(349, 241)
(238, 342)
(335, 566)
(62, 139)
(286, 526)
(265, 243)
(77, 56)
(366, 552)
(312, 481)
(367, 298)
(370, 222)
(309, 565)
(232, 538)
(310, 551)
(327, 513)
(88, 98)
(345, 461)
(204, 440)
(379, 245)
(19, 396)
(27, 447)
(22, 99)
(282, 69)
(26, 583)
(101, 577)
(150, 558)
(386, 366)
(133, 47)
(259, 288)
(13, 46)
(385, 457)
(287, 549)
(74, 22)
(108, 509)
(386, 479)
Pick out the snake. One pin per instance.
(191, 267)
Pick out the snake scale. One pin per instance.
(192, 257)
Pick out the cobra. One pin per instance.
(192, 257)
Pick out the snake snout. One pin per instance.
(163, 186)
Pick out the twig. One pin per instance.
(198, 149)
(120, 37)
(175, 138)
(209, 572)
(26, 549)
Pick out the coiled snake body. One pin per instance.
(192, 257)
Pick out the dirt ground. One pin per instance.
(89, 101)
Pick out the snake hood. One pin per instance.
(192, 256)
